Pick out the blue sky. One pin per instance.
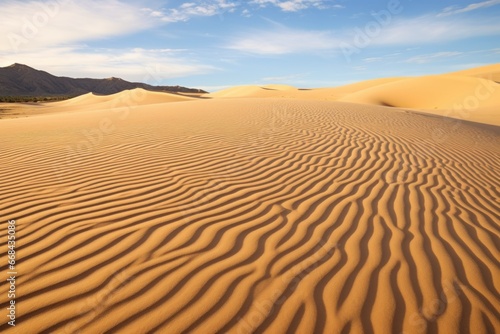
(213, 44)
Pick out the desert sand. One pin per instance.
(258, 209)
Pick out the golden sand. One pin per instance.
(257, 210)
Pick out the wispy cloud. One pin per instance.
(189, 10)
(33, 24)
(423, 30)
(283, 40)
(296, 5)
(246, 13)
(427, 58)
(373, 59)
(452, 10)
(360, 68)
(429, 29)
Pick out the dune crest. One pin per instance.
(489, 72)
(84, 100)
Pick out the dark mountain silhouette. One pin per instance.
(22, 80)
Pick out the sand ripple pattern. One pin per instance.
(253, 216)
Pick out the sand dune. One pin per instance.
(251, 215)
(467, 98)
(255, 91)
(131, 99)
(136, 97)
(470, 95)
(336, 93)
(284, 91)
(84, 100)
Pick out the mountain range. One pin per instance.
(22, 80)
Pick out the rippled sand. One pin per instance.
(243, 215)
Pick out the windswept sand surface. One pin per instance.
(243, 215)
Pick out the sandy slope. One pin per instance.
(470, 95)
(251, 215)
(462, 97)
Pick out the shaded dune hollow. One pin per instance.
(252, 216)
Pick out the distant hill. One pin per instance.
(22, 80)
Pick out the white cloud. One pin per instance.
(189, 10)
(35, 24)
(360, 68)
(154, 66)
(52, 36)
(452, 10)
(423, 30)
(372, 59)
(429, 29)
(427, 58)
(32, 24)
(295, 5)
(246, 13)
